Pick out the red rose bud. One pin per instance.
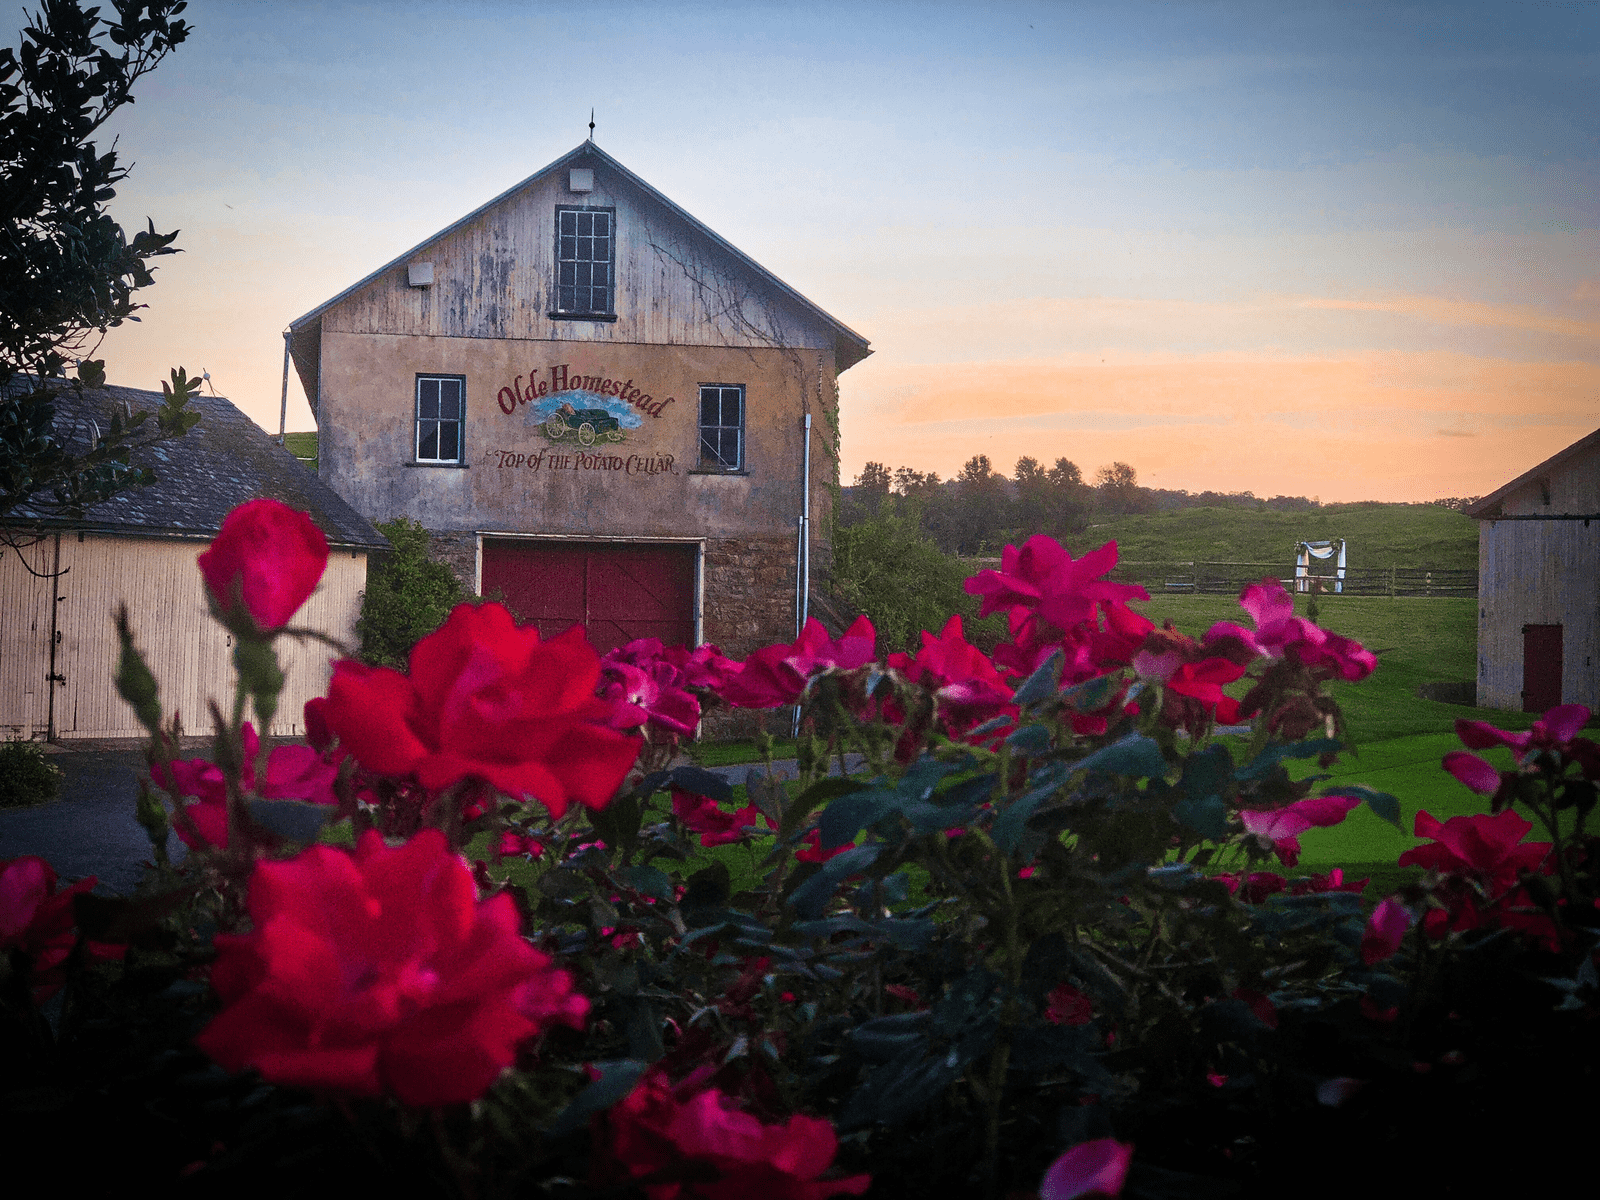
(264, 564)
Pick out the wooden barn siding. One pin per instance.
(493, 278)
(24, 638)
(1538, 573)
(189, 653)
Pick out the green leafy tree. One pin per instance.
(1119, 490)
(408, 596)
(872, 486)
(888, 567)
(1032, 510)
(68, 272)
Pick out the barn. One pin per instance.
(602, 411)
(1539, 584)
(61, 581)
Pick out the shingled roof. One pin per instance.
(223, 461)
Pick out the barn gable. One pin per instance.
(494, 274)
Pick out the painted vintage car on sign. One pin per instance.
(586, 418)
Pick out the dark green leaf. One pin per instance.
(702, 783)
(1276, 753)
(1134, 755)
(707, 888)
(820, 791)
(648, 880)
(1206, 815)
(1383, 805)
(1043, 683)
(1031, 739)
(812, 896)
(617, 1079)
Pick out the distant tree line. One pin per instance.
(1456, 503)
(981, 510)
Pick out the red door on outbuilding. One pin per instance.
(1541, 667)
(619, 591)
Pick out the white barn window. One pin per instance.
(441, 415)
(721, 427)
(585, 262)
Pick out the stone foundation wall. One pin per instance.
(459, 552)
(748, 604)
(749, 593)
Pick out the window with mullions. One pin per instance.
(721, 427)
(441, 413)
(585, 261)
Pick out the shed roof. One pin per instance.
(850, 346)
(1489, 506)
(219, 464)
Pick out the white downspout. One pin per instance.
(802, 572)
(283, 404)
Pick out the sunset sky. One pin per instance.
(1332, 250)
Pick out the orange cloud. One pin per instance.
(1466, 312)
(1382, 426)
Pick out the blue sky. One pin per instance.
(1186, 237)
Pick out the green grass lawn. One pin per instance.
(1418, 640)
(303, 446)
(1377, 535)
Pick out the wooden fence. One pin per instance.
(1227, 578)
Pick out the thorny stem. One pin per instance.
(1547, 815)
(1000, 1056)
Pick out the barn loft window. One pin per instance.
(586, 247)
(441, 413)
(721, 427)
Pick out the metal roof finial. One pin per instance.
(591, 124)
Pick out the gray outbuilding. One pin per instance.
(1539, 584)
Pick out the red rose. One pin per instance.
(777, 675)
(679, 1143)
(1096, 1168)
(380, 972)
(265, 562)
(487, 700)
(38, 920)
(1068, 1006)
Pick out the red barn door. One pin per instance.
(1541, 667)
(619, 592)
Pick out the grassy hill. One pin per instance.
(303, 446)
(1377, 535)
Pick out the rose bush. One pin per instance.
(1053, 916)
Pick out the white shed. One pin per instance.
(61, 581)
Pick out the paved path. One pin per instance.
(91, 829)
(783, 768)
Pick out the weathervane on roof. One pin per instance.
(591, 124)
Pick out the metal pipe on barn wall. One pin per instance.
(802, 566)
(283, 403)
